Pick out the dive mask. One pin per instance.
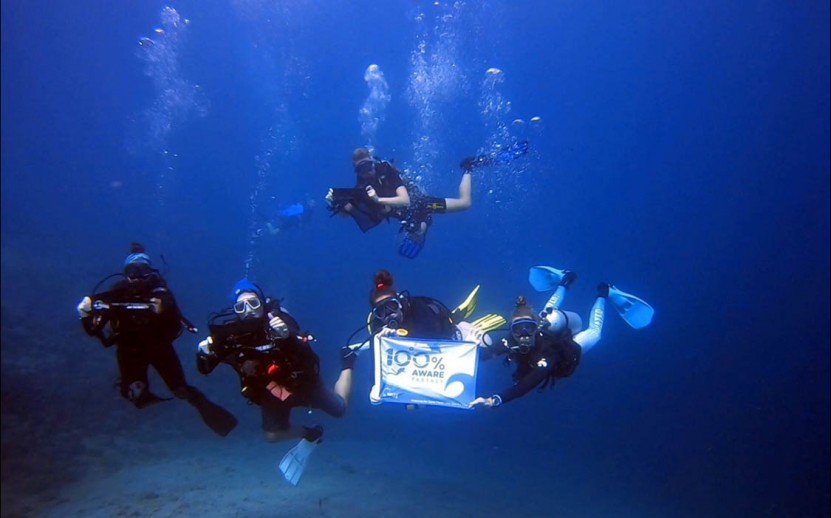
(523, 332)
(137, 271)
(246, 305)
(388, 312)
(524, 328)
(365, 169)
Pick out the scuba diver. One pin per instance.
(381, 192)
(290, 216)
(549, 346)
(277, 367)
(405, 315)
(139, 315)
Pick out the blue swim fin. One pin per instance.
(633, 310)
(294, 462)
(512, 152)
(411, 245)
(545, 278)
(295, 209)
(516, 150)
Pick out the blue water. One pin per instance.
(682, 152)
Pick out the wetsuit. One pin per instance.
(276, 374)
(421, 209)
(386, 180)
(123, 316)
(553, 356)
(423, 317)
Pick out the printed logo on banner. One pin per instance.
(430, 372)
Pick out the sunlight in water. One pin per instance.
(435, 77)
(176, 99)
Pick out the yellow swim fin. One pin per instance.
(466, 308)
(490, 322)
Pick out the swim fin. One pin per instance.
(466, 308)
(217, 418)
(514, 151)
(489, 322)
(633, 310)
(411, 245)
(150, 400)
(294, 461)
(545, 278)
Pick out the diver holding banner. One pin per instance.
(549, 346)
(423, 353)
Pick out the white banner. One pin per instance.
(424, 372)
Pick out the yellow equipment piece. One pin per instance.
(489, 322)
(466, 308)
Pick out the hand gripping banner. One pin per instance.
(424, 372)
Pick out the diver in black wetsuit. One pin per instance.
(382, 193)
(277, 367)
(139, 315)
(540, 356)
(402, 314)
(407, 315)
(378, 191)
(549, 346)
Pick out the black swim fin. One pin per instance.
(217, 418)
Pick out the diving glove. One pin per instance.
(473, 333)
(205, 346)
(85, 307)
(279, 327)
(348, 357)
